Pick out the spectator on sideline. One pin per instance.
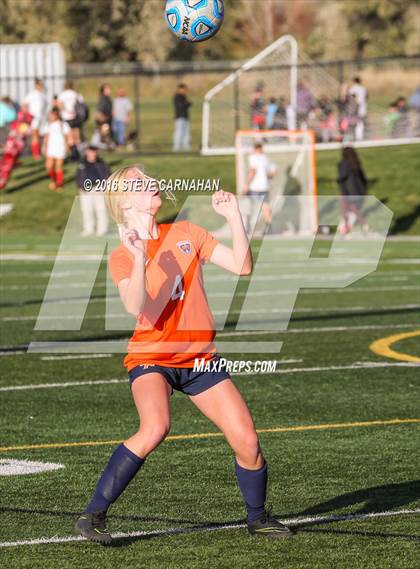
(92, 203)
(361, 95)
(260, 173)
(68, 102)
(257, 108)
(56, 142)
(391, 120)
(37, 104)
(403, 125)
(326, 118)
(7, 115)
(305, 102)
(353, 187)
(280, 118)
(270, 114)
(414, 106)
(351, 118)
(182, 137)
(104, 117)
(121, 110)
(7, 112)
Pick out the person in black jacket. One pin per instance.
(104, 117)
(91, 177)
(353, 188)
(182, 138)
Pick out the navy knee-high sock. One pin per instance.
(120, 470)
(253, 485)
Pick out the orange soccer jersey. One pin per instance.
(175, 325)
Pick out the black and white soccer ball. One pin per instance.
(194, 20)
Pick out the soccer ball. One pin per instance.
(194, 20)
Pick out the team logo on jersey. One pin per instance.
(185, 246)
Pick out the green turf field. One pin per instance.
(338, 423)
(359, 459)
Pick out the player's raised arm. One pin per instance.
(237, 259)
(133, 290)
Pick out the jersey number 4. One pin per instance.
(178, 291)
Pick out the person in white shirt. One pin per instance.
(56, 142)
(260, 173)
(121, 110)
(67, 102)
(37, 104)
(360, 93)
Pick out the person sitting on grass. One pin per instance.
(158, 272)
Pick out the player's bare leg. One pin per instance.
(267, 216)
(59, 173)
(151, 395)
(35, 144)
(50, 166)
(225, 407)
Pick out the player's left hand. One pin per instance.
(225, 204)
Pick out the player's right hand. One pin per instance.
(133, 243)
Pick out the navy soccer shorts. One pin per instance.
(183, 379)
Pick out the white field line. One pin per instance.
(325, 329)
(286, 311)
(319, 276)
(76, 357)
(73, 273)
(298, 521)
(263, 292)
(355, 366)
(314, 329)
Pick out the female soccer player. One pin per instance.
(57, 140)
(157, 269)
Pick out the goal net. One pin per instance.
(226, 106)
(290, 159)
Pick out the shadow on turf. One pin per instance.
(362, 533)
(404, 222)
(374, 499)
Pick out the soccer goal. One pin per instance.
(226, 107)
(293, 186)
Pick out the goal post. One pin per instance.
(293, 186)
(226, 107)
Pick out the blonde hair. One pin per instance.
(117, 188)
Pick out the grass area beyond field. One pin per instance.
(40, 216)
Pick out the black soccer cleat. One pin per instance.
(267, 526)
(93, 527)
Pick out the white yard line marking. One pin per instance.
(11, 350)
(315, 329)
(298, 521)
(331, 310)
(6, 288)
(59, 385)
(355, 366)
(208, 277)
(77, 357)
